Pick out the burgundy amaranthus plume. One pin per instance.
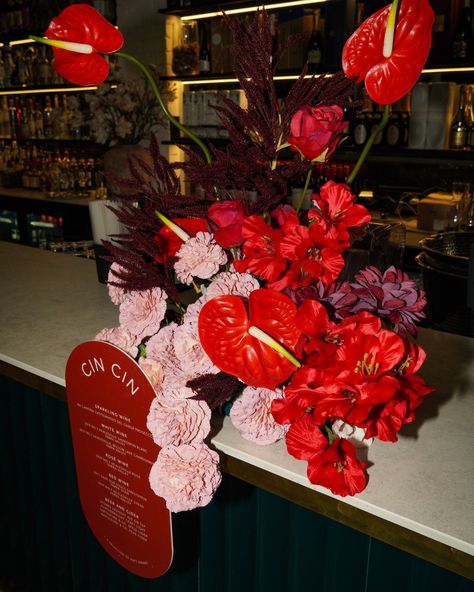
(392, 296)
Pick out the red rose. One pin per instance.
(313, 129)
(225, 221)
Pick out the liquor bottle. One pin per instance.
(44, 69)
(39, 124)
(470, 117)
(404, 107)
(359, 14)
(12, 118)
(5, 130)
(48, 117)
(377, 114)
(315, 44)
(463, 42)
(2, 72)
(360, 126)
(393, 133)
(459, 130)
(204, 53)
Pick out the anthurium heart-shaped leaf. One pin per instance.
(224, 324)
(387, 79)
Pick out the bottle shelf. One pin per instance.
(378, 154)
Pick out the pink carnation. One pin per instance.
(174, 387)
(238, 284)
(154, 372)
(116, 293)
(187, 346)
(251, 415)
(186, 476)
(121, 338)
(178, 422)
(142, 311)
(200, 256)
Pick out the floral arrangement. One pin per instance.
(124, 110)
(223, 299)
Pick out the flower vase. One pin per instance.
(116, 165)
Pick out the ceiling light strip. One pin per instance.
(251, 9)
(47, 90)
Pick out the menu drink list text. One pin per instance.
(108, 398)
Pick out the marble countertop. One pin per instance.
(50, 302)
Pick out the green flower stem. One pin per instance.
(368, 144)
(265, 338)
(305, 189)
(164, 108)
(183, 235)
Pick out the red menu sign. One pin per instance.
(109, 397)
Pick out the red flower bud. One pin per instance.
(225, 221)
(315, 129)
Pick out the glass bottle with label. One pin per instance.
(393, 133)
(463, 41)
(360, 125)
(204, 52)
(315, 44)
(459, 131)
(48, 117)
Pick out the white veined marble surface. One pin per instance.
(50, 302)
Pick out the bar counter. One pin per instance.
(420, 492)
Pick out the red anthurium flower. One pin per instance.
(170, 243)
(224, 331)
(81, 24)
(338, 469)
(387, 79)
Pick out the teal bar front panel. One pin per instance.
(246, 540)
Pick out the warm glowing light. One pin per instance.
(234, 80)
(251, 9)
(21, 42)
(48, 90)
(447, 70)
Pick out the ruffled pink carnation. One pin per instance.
(200, 256)
(116, 293)
(186, 476)
(121, 338)
(174, 387)
(178, 422)
(251, 415)
(238, 284)
(187, 346)
(154, 372)
(142, 311)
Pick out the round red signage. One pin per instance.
(108, 398)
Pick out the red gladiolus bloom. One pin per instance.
(316, 129)
(82, 24)
(304, 440)
(338, 469)
(338, 212)
(387, 79)
(310, 258)
(170, 242)
(225, 221)
(260, 248)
